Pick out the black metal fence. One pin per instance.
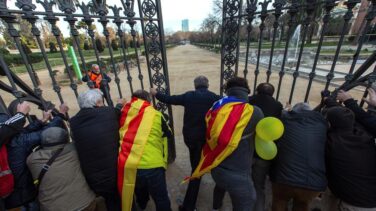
(148, 16)
(301, 15)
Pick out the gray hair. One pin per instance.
(89, 98)
(94, 65)
(299, 107)
(201, 82)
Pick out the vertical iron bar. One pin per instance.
(350, 5)
(134, 33)
(310, 8)
(223, 34)
(329, 5)
(120, 33)
(251, 9)
(172, 153)
(52, 19)
(292, 11)
(106, 34)
(263, 16)
(369, 17)
(148, 47)
(238, 35)
(31, 18)
(277, 13)
(371, 80)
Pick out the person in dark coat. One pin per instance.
(95, 133)
(298, 171)
(234, 173)
(9, 127)
(263, 98)
(196, 103)
(366, 119)
(351, 161)
(19, 148)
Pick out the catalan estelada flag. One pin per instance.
(136, 122)
(225, 124)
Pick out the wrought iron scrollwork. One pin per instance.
(232, 10)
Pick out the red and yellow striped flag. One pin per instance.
(225, 122)
(136, 121)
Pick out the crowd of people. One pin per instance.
(115, 158)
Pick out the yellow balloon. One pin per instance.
(270, 129)
(267, 150)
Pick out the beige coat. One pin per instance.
(63, 187)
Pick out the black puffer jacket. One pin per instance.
(300, 161)
(95, 132)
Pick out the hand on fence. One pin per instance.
(46, 116)
(371, 97)
(342, 96)
(288, 106)
(153, 91)
(121, 101)
(23, 107)
(63, 109)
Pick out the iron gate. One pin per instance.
(237, 13)
(96, 12)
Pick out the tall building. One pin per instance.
(185, 25)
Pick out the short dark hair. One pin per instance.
(201, 82)
(265, 88)
(236, 82)
(142, 94)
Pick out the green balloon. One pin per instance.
(267, 150)
(269, 129)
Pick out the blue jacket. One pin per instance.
(196, 105)
(19, 148)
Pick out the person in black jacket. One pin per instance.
(298, 171)
(11, 126)
(19, 148)
(95, 133)
(364, 118)
(351, 161)
(196, 103)
(263, 98)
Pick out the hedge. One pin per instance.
(16, 59)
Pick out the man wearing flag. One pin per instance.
(143, 154)
(229, 147)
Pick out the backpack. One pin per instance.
(6, 176)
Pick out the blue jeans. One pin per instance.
(31, 206)
(239, 186)
(153, 182)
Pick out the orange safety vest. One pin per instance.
(96, 79)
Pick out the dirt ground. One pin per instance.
(184, 64)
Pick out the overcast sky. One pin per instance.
(174, 11)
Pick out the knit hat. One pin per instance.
(340, 117)
(54, 136)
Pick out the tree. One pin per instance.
(25, 48)
(99, 44)
(53, 48)
(112, 33)
(114, 45)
